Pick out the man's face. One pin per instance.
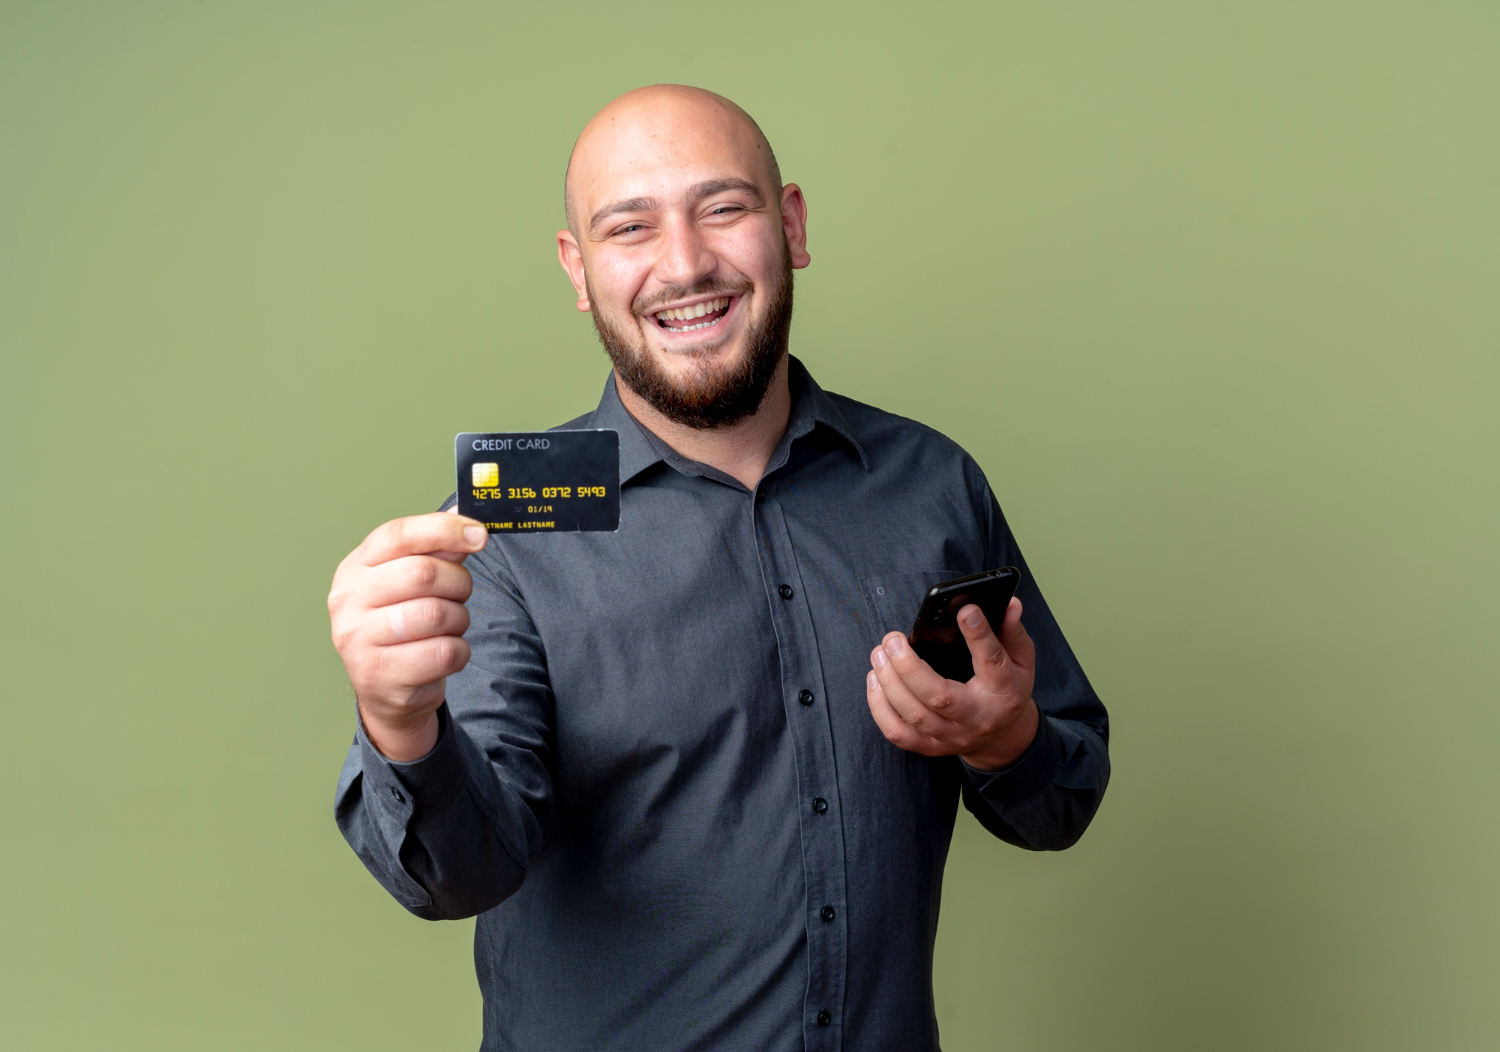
(684, 252)
(716, 389)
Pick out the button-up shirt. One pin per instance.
(658, 783)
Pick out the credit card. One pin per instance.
(540, 481)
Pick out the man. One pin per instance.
(691, 806)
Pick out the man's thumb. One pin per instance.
(989, 656)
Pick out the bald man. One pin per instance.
(689, 775)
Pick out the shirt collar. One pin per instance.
(640, 449)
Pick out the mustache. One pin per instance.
(708, 287)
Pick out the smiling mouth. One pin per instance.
(703, 315)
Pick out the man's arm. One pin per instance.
(1029, 729)
(446, 826)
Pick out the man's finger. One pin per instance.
(422, 661)
(452, 557)
(896, 730)
(897, 688)
(415, 576)
(417, 619)
(422, 535)
(943, 696)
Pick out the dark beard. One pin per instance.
(718, 399)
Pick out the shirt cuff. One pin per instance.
(423, 786)
(1031, 772)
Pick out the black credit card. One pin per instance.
(540, 481)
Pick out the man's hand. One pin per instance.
(989, 721)
(398, 622)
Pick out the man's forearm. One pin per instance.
(1047, 798)
(444, 834)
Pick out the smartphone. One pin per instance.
(936, 637)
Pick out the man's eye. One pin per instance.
(724, 210)
(632, 228)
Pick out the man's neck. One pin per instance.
(741, 450)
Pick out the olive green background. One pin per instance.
(1210, 291)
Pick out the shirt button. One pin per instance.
(786, 591)
(397, 794)
(827, 913)
(825, 1017)
(806, 697)
(820, 805)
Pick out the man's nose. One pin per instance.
(686, 257)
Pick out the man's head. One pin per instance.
(681, 240)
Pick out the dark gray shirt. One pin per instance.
(658, 782)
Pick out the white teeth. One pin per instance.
(697, 310)
(700, 325)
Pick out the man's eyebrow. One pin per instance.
(696, 193)
(630, 204)
(718, 186)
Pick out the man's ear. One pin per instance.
(571, 258)
(794, 224)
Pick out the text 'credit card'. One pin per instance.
(540, 481)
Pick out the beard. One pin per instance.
(713, 396)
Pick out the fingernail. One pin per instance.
(870, 680)
(896, 645)
(879, 659)
(972, 620)
(475, 535)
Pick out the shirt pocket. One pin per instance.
(891, 600)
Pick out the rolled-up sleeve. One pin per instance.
(1048, 796)
(451, 834)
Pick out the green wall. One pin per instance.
(1210, 291)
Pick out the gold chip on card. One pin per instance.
(486, 475)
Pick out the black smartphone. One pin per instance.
(936, 637)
